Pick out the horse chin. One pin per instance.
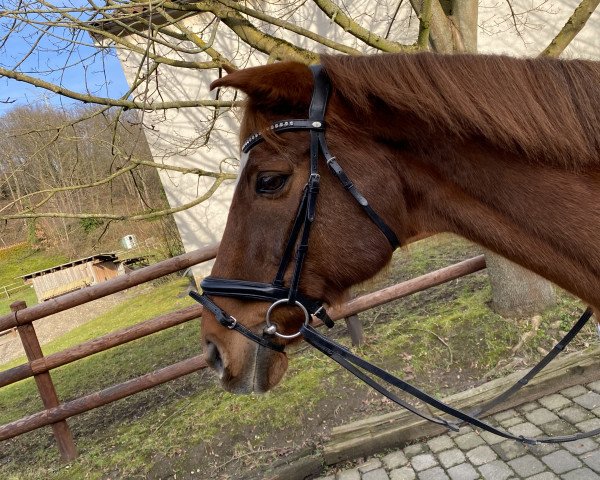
(263, 370)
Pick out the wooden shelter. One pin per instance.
(68, 277)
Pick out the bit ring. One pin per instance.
(271, 328)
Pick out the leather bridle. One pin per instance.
(279, 294)
(276, 291)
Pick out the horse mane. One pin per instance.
(543, 109)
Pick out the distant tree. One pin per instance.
(56, 168)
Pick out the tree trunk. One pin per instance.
(517, 291)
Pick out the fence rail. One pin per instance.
(11, 288)
(38, 366)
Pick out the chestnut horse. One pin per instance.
(504, 152)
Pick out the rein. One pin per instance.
(279, 294)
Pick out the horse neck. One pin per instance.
(541, 217)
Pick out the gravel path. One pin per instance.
(54, 326)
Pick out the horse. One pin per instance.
(502, 151)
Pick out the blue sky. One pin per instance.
(91, 70)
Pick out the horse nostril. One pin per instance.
(213, 358)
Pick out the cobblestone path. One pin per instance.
(468, 455)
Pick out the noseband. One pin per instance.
(276, 291)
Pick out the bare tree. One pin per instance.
(172, 49)
(43, 42)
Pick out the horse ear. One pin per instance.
(288, 83)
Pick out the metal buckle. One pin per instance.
(271, 328)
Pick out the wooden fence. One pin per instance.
(38, 366)
(11, 288)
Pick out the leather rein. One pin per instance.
(279, 294)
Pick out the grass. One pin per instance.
(21, 260)
(447, 338)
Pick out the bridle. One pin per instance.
(279, 294)
(276, 291)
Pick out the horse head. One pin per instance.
(344, 247)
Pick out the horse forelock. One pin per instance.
(545, 110)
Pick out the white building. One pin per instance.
(177, 136)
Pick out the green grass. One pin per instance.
(117, 364)
(21, 260)
(446, 337)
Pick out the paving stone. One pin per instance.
(404, 473)
(469, 441)
(496, 470)
(423, 461)
(581, 446)
(449, 458)
(527, 465)
(588, 425)
(348, 475)
(526, 429)
(462, 431)
(554, 402)
(490, 438)
(541, 416)
(595, 386)
(480, 455)
(328, 477)
(558, 427)
(544, 476)
(509, 449)
(438, 444)
(464, 471)
(369, 465)
(436, 473)
(529, 407)
(573, 392)
(561, 461)
(395, 460)
(575, 414)
(511, 422)
(415, 449)
(542, 449)
(589, 400)
(377, 474)
(581, 474)
(505, 415)
(592, 460)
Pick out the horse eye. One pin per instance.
(270, 183)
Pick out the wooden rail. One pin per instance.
(8, 291)
(109, 287)
(39, 367)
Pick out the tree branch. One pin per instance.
(573, 26)
(108, 216)
(128, 104)
(335, 13)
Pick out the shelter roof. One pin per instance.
(100, 257)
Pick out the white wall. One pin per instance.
(177, 136)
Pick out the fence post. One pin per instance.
(355, 329)
(31, 345)
(6, 292)
(354, 326)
